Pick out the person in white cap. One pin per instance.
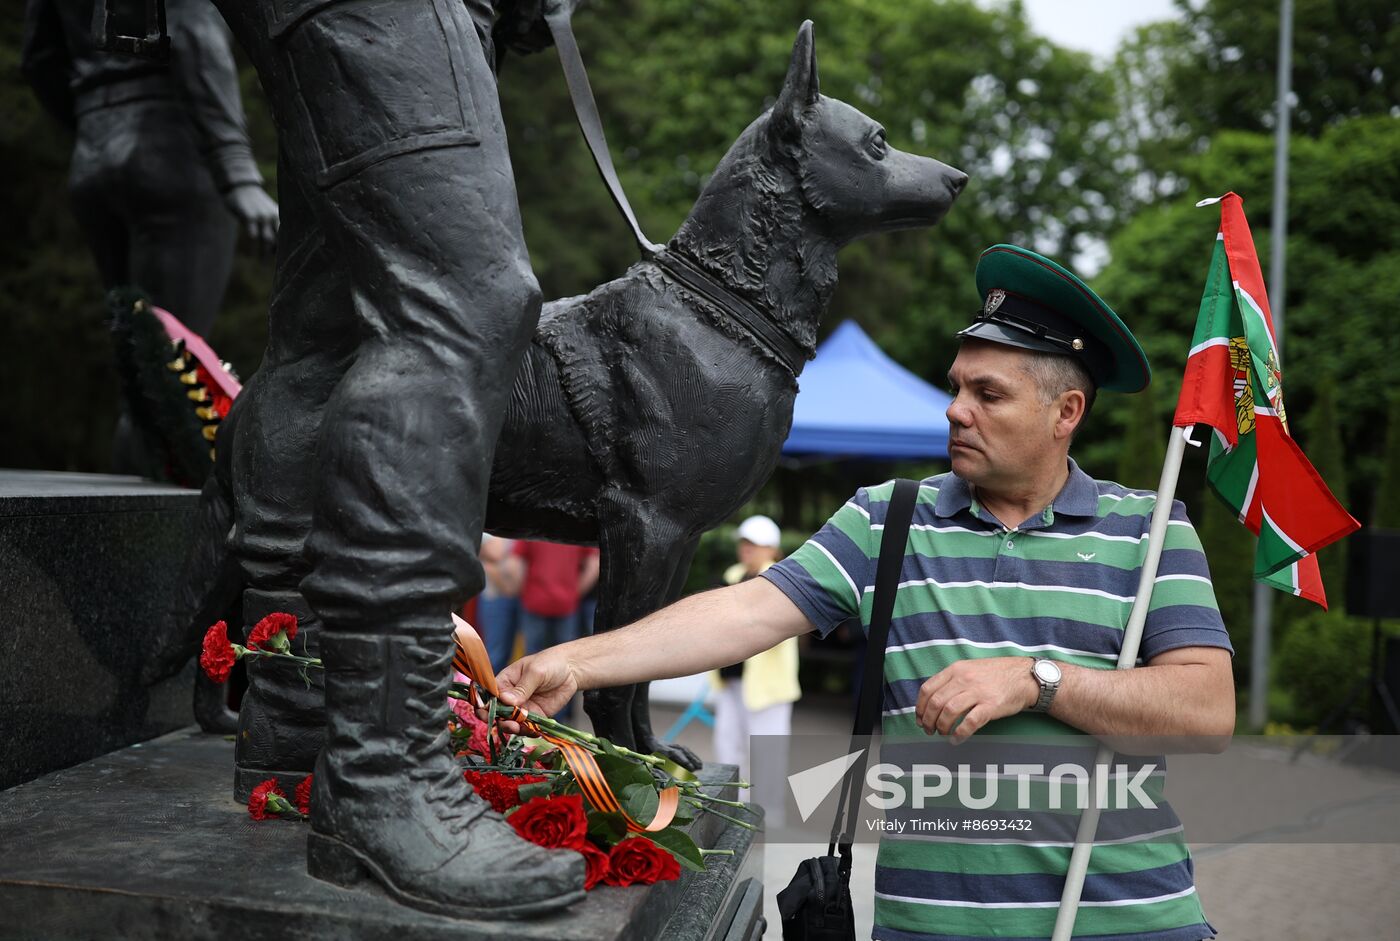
(755, 696)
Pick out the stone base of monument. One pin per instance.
(88, 563)
(148, 843)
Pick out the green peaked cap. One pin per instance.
(1031, 302)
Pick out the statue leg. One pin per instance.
(647, 740)
(273, 469)
(639, 551)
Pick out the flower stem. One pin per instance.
(259, 652)
(705, 852)
(567, 731)
(716, 800)
(738, 823)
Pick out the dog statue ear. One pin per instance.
(800, 89)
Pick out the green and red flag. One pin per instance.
(1234, 384)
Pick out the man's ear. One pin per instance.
(800, 89)
(1069, 415)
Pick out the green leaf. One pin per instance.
(640, 801)
(621, 772)
(606, 828)
(679, 844)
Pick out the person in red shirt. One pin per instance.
(553, 578)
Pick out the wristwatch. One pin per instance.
(1047, 676)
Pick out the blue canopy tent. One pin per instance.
(854, 401)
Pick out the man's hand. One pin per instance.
(977, 691)
(543, 682)
(257, 213)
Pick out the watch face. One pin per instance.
(1047, 671)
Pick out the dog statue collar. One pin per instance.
(758, 322)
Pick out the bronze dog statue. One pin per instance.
(649, 410)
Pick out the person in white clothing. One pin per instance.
(755, 697)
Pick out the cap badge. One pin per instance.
(994, 298)
(1077, 343)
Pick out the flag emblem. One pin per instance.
(1244, 390)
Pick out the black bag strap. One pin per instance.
(898, 515)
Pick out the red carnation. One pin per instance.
(218, 656)
(267, 801)
(553, 822)
(501, 791)
(303, 795)
(639, 861)
(266, 631)
(596, 863)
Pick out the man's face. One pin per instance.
(1001, 436)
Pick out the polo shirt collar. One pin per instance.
(1078, 497)
(954, 496)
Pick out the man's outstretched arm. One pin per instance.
(702, 632)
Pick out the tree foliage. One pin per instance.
(1346, 63)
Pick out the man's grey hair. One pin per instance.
(1056, 374)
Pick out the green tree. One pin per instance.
(1322, 656)
(1142, 445)
(1346, 63)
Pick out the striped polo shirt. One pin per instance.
(1060, 585)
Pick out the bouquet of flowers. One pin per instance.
(627, 813)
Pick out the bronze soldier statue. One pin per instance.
(162, 171)
(361, 449)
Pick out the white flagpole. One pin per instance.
(1127, 659)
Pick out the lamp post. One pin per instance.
(1263, 595)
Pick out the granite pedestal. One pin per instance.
(146, 843)
(87, 563)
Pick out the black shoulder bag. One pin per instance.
(816, 905)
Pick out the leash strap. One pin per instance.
(586, 109)
(872, 685)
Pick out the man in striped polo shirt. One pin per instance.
(1017, 582)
